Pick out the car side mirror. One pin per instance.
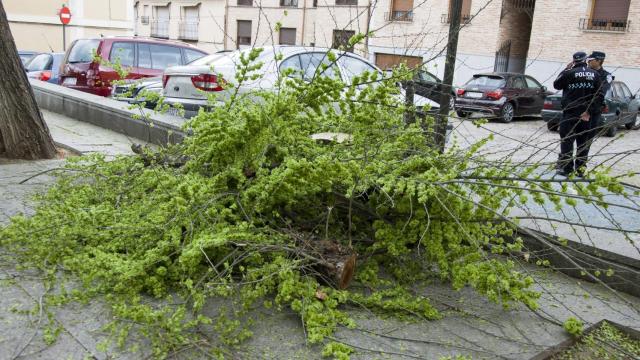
(544, 89)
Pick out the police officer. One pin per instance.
(595, 61)
(581, 95)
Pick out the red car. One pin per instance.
(142, 57)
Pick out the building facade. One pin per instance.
(35, 24)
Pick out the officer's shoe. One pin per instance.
(580, 172)
(562, 172)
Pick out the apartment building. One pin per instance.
(35, 24)
(536, 37)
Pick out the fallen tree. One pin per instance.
(252, 208)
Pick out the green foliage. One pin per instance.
(236, 221)
(574, 326)
(604, 343)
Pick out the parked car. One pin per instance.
(143, 57)
(44, 67)
(429, 86)
(501, 95)
(191, 85)
(621, 108)
(130, 91)
(25, 55)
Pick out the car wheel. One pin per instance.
(507, 112)
(452, 102)
(612, 130)
(552, 126)
(635, 124)
(462, 114)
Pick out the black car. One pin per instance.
(621, 108)
(501, 95)
(429, 86)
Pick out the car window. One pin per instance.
(83, 51)
(625, 90)
(488, 81)
(428, 77)
(192, 55)
(619, 93)
(144, 56)
(518, 83)
(163, 56)
(352, 67)
(532, 83)
(39, 63)
(122, 52)
(309, 63)
(292, 63)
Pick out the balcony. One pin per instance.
(521, 4)
(464, 19)
(160, 29)
(188, 30)
(405, 16)
(605, 25)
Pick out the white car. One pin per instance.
(192, 85)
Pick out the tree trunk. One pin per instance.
(23, 132)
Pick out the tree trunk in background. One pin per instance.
(23, 132)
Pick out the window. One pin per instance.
(287, 36)
(192, 55)
(122, 52)
(346, 2)
(622, 91)
(310, 63)
(39, 63)
(289, 3)
(292, 63)
(144, 56)
(518, 83)
(188, 27)
(401, 10)
(244, 33)
(465, 13)
(160, 22)
(83, 51)
(488, 81)
(428, 77)
(341, 39)
(532, 83)
(352, 67)
(245, 2)
(388, 61)
(609, 14)
(163, 56)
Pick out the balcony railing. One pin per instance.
(289, 3)
(399, 16)
(160, 29)
(188, 30)
(521, 4)
(464, 19)
(605, 25)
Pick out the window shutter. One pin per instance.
(611, 10)
(287, 36)
(402, 5)
(388, 61)
(191, 14)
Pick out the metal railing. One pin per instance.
(399, 16)
(289, 3)
(521, 4)
(604, 24)
(188, 30)
(144, 20)
(160, 29)
(464, 19)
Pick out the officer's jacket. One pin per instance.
(581, 89)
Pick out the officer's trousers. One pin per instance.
(572, 129)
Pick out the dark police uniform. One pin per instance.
(607, 78)
(581, 92)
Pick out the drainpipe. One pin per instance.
(366, 39)
(304, 17)
(225, 35)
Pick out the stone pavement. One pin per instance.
(471, 325)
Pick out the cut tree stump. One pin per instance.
(336, 262)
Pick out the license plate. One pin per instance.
(173, 111)
(69, 81)
(475, 95)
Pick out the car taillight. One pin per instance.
(206, 82)
(93, 74)
(548, 105)
(495, 94)
(606, 109)
(44, 76)
(460, 92)
(165, 79)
